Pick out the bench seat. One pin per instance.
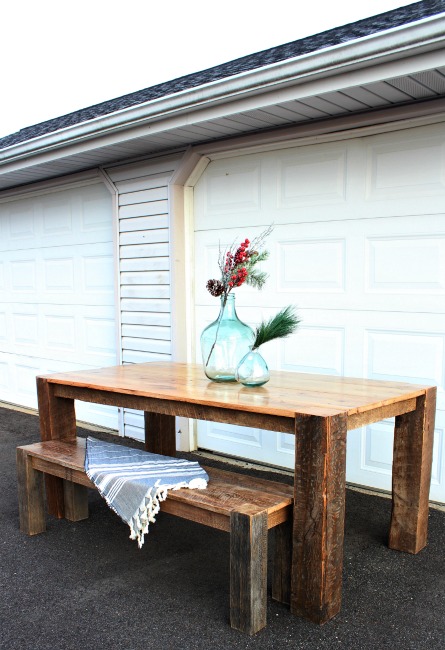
(245, 506)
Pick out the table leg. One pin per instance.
(57, 422)
(319, 511)
(75, 498)
(281, 561)
(412, 460)
(160, 433)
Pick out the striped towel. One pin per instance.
(134, 482)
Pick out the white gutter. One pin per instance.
(395, 44)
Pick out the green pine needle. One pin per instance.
(256, 279)
(279, 326)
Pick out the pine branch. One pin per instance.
(279, 326)
(257, 279)
(259, 257)
(237, 265)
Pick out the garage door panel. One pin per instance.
(236, 189)
(56, 291)
(105, 416)
(406, 264)
(369, 456)
(3, 327)
(375, 265)
(62, 275)
(358, 246)
(405, 168)
(404, 355)
(398, 174)
(18, 377)
(59, 332)
(317, 176)
(377, 445)
(73, 332)
(398, 346)
(20, 224)
(18, 385)
(378, 448)
(313, 349)
(22, 274)
(58, 215)
(256, 444)
(26, 369)
(25, 329)
(298, 261)
(437, 470)
(4, 373)
(76, 216)
(323, 261)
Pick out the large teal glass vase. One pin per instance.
(225, 342)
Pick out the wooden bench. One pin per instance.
(244, 506)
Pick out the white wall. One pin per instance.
(144, 253)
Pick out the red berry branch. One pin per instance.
(237, 267)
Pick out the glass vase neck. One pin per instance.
(228, 306)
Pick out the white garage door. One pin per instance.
(359, 247)
(56, 291)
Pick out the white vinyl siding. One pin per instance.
(144, 267)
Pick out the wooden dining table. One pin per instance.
(318, 409)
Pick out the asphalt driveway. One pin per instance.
(86, 585)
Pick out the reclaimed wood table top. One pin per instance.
(285, 395)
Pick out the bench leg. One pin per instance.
(248, 570)
(75, 497)
(282, 560)
(31, 495)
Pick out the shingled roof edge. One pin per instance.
(336, 36)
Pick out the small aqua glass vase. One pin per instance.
(225, 342)
(252, 370)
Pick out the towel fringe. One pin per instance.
(147, 511)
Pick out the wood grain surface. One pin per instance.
(412, 461)
(286, 393)
(226, 491)
(319, 512)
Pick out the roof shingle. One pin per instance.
(366, 27)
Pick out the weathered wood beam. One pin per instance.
(319, 511)
(411, 476)
(248, 569)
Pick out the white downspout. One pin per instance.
(117, 284)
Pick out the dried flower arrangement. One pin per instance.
(237, 265)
